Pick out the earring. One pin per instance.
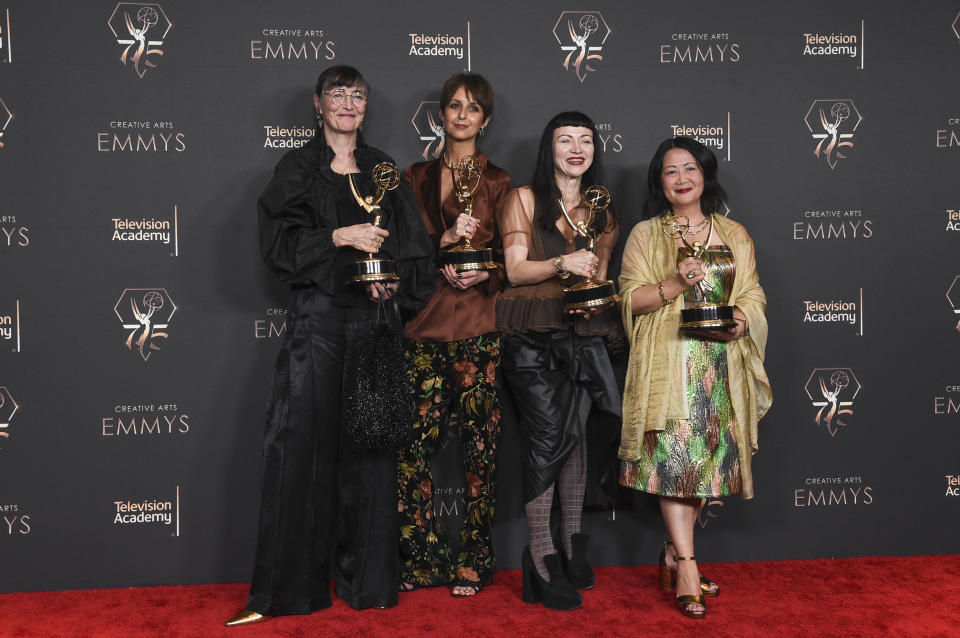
(319, 119)
(481, 130)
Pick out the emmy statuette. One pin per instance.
(697, 313)
(372, 269)
(589, 294)
(466, 181)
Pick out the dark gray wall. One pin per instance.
(869, 229)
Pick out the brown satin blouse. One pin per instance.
(452, 314)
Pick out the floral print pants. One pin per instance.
(459, 375)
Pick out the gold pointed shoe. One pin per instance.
(246, 618)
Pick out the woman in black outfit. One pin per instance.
(555, 362)
(325, 497)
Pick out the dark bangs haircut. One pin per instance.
(341, 75)
(544, 185)
(476, 87)
(713, 194)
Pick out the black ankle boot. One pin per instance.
(578, 570)
(557, 593)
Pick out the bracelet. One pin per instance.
(562, 272)
(662, 297)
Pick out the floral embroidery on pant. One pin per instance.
(460, 375)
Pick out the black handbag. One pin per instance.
(380, 408)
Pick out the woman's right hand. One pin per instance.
(583, 263)
(364, 237)
(687, 267)
(466, 226)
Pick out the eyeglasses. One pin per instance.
(337, 97)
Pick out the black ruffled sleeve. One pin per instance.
(295, 242)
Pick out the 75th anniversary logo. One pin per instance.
(130, 23)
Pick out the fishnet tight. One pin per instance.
(572, 484)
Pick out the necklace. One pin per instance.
(696, 229)
(677, 227)
(443, 158)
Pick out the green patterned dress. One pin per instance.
(696, 457)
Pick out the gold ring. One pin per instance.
(690, 275)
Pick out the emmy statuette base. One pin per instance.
(373, 270)
(463, 258)
(590, 295)
(707, 316)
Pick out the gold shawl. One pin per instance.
(655, 385)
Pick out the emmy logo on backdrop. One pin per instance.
(386, 177)
(839, 112)
(697, 313)
(838, 119)
(147, 17)
(837, 387)
(137, 20)
(429, 127)
(838, 381)
(466, 181)
(579, 55)
(152, 301)
(5, 117)
(589, 24)
(146, 313)
(439, 135)
(3, 426)
(589, 293)
(953, 296)
(8, 408)
(708, 511)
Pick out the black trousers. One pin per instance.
(329, 507)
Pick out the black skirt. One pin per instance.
(565, 392)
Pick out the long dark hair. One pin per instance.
(713, 194)
(544, 185)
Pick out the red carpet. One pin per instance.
(869, 597)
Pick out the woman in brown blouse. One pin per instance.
(453, 355)
(555, 362)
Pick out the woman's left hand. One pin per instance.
(464, 279)
(378, 291)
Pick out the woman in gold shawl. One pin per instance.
(692, 399)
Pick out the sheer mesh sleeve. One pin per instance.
(515, 218)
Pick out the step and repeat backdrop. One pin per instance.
(138, 325)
